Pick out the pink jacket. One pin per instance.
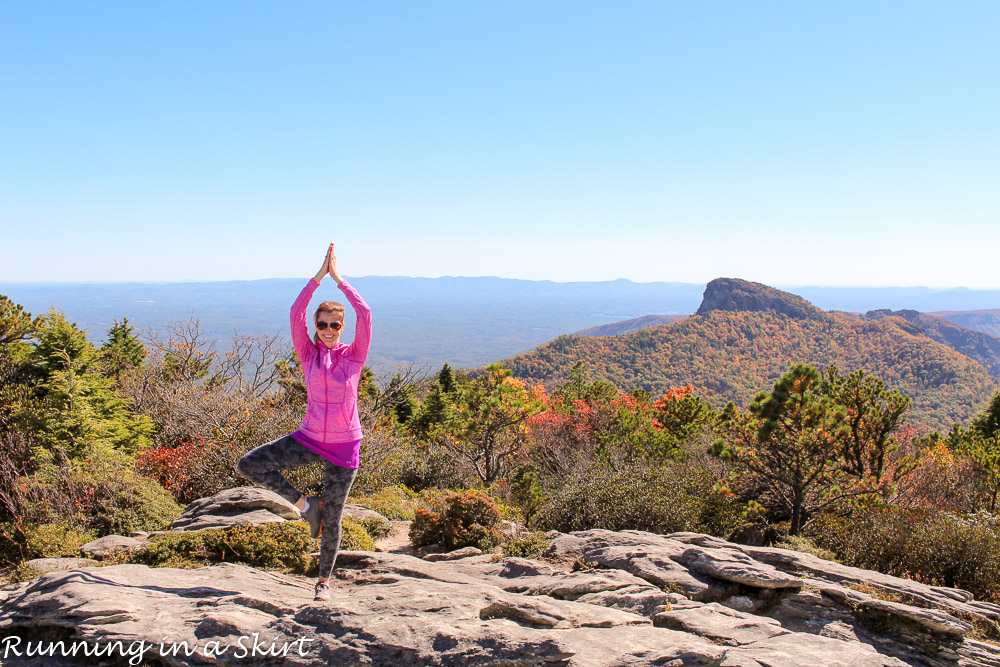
(332, 376)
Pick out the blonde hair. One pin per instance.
(327, 307)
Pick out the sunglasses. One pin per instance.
(336, 326)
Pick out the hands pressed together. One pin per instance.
(329, 267)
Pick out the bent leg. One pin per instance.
(337, 484)
(262, 464)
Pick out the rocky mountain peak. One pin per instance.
(733, 294)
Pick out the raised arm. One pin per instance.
(300, 328)
(363, 329)
(300, 325)
(363, 323)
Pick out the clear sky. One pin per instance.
(836, 143)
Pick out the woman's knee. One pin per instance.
(245, 467)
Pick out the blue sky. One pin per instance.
(839, 143)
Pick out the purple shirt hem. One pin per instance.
(343, 454)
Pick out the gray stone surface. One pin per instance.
(720, 624)
(464, 552)
(361, 512)
(681, 599)
(50, 564)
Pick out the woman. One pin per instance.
(331, 430)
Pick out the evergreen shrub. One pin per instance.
(283, 546)
(392, 502)
(354, 537)
(375, 526)
(936, 548)
(55, 540)
(656, 498)
(531, 545)
(425, 466)
(103, 494)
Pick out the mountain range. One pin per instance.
(469, 322)
(744, 335)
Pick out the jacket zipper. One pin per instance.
(326, 395)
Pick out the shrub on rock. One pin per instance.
(458, 519)
(377, 527)
(354, 537)
(531, 545)
(284, 546)
(392, 502)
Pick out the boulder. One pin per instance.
(361, 512)
(242, 506)
(103, 546)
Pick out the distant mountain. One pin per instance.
(628, 326)
(923, 299)
(466, 322)
(745, 335)
(987, 321)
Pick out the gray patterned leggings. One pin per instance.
(262, 464)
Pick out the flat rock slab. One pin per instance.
(396, 609)
(817, 571)
(738, 567)
(696, 571)
(653, 558)
(376, 615)
(221, 521)
(720, 624)
(795, 650)
(50, 564)
(371, 618)
(934, 620)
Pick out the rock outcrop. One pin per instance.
(738, 295)
(594, 598)
(249, 506)
(241, 506)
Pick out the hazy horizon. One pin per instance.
(786, 286)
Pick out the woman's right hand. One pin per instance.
(325, 269)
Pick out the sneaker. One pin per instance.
(312, 517)
(322, 591)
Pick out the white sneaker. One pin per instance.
(322, 591)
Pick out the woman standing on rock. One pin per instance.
(331, 430)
